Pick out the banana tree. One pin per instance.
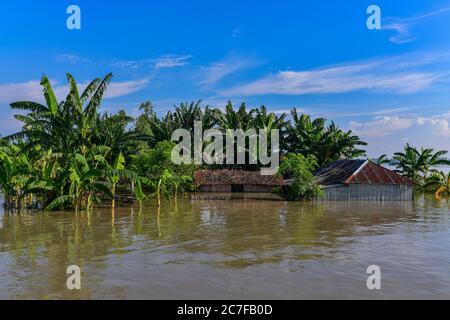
(84, 181)
(162, 185)
(382, 160)
(6, 173)
(440, 182)
(114, 173)
(180, 183)
(15, 174)
(139, 192)
(418, 164)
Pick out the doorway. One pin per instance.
(237, 188)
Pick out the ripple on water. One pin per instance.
(235, 249)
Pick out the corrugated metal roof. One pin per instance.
(358, 172)
(230, 177)
(338, 172)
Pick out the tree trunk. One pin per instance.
(89, 201)
(113, 202)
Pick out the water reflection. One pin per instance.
(217, 238)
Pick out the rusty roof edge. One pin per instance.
(392, 171)
(356, 172)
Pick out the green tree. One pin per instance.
(418, 164)
(297, 171)
(382, 160)
(439, 182)
(326, 143)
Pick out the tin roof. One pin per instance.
(358, 172)
(230, 177)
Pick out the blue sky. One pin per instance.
(390, 86)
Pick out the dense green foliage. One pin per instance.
(69, 155)
(297, 169)
(163, 175)
(439, 182)
(326, 143)
(303, 135)
(419, 164)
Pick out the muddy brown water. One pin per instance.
(238, 249)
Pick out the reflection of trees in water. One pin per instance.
(42, 246)
(426, 206)
(260, 232)
(220, 233)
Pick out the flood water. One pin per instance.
(240, 249)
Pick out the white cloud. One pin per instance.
(71, 58)
(390, 134)
(217, 71)
(380, 126)
(119, 89)
(29, 90)
(166, 61)
(403, 26)
(440, 127)
(9, 125)
(171, 61)
(32, 90)
(130, 64)
(396, 75)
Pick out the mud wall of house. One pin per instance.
(257, 188)
(250, 188)
(215, 188)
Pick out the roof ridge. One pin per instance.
(357, 171)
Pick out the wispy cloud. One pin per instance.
(119, 89)
(171, 61)
(32, 90)
(71, 58)
(166, 61)
(399, 75)
(217, 71)
(403, 26)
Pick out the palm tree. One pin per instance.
(440, 182)
(418, 164)
(326, 143)
(230, 120)
(111, 131)
(233, 120)
(186, 114)
(382, 160)
(161, 129)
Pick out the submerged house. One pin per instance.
(235, 181)
(363, 180)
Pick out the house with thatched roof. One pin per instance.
(235, 181)
(363, 180)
